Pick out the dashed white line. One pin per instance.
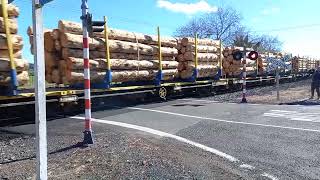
(225, 121)
(164, 134)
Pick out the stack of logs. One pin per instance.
(208, 57)
(22, 65)
(134, 56)
(301, 64)
(273, 60)
(233, 68)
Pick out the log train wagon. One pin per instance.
(186, 65)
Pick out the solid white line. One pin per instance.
(218, 102)
(269, 176)
(226, 121)
(164, 134)
(199, 100)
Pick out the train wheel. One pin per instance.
(162, 93)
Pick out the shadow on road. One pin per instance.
(306, 102)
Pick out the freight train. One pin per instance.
(182, 66)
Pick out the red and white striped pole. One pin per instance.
(88, 136)
(244, 76)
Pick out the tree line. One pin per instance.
(225, 24)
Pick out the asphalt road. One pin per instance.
(265, 141)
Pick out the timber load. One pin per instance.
(22, 65)
(233, 67)
(208, 54)
(303, 64)
(133, 56)
(271, 61)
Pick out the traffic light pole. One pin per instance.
(88, 136)
(244, 76)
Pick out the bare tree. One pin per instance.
(223, 24)
(269, 44)
(196, 25)
(261, 43)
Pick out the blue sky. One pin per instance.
(145, 15)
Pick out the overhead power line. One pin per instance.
(289, 28)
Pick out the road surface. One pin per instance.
(250, 140)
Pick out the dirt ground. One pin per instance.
(290, 93)
(115, 155)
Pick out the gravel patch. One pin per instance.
(290, 93)
(115, 155)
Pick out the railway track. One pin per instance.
(20, 111)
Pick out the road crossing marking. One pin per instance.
(294, 115)
(164, 134)
(221, 120)
(181, 139)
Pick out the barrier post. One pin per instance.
(159, 76)
(88, 135)
(244, 76)
(108, 78)
(13, 71)
(195, 71)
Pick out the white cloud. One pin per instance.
(270, 11)
(187, 8)
(296, 48)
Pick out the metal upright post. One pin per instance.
(220, 58)
(244, 76)
(277, 83)
(13, 71)
(40, 90)
(106, 36)
(88, 136)
(195, 73)
(159, 75)
(257, 67)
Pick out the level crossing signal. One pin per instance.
(253, 55)
(94, 26)
(238, 55)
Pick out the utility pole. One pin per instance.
(40, 90)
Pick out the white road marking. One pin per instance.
(221, 120)
(294, 115)
(269, 176)
(199, 100)
(178, 138)
(208, 101)
(164, 134)
(247, 166)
